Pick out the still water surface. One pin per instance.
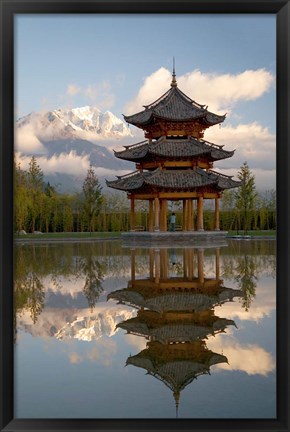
(105, 330)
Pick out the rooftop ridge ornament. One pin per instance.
(173, 82)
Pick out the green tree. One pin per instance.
(245, 196)
(228, 215)
(35, 175)
(93, 198)
(22, 200)
(35, 185)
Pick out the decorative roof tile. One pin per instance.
(189, 179)
(173, 301)
(174, 105)
(173, 148)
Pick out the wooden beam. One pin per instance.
(178, 195)
(210, 195)
(173, 196)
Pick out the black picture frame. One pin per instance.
(281, 8)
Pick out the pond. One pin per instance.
(109, 330)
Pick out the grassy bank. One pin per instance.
(100, 235)
(254, 233)
(69, 235)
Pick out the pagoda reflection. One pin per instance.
(175, 314)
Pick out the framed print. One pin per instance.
(144, 215)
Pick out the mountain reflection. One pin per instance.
(38, 268)
(176, 315)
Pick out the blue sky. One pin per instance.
(105, 60)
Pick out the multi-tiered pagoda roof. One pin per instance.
(174, 180)
(174, 163)
(174, 148)
(173, 106)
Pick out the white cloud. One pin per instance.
(249, 358)
(219, 92)
(262, 306)
(154, 86)
(106, 172)
(27, 141)
(137, 342)
(253, 143)
(68, 163)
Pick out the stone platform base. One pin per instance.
(169, 239)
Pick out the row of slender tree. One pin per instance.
(38, 206)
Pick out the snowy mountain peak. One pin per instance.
(82, 122)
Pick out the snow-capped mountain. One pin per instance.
(83, 122)
(81, 324)
(66, 141)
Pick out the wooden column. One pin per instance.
(163, 215)
(189, 215)
(184, 211)
(157, 265)
(200, 213)
(190, 264)
(163, 264)
(156, 214)
(216, 215)
(132, 215)
(150, 216)
(200, 257)
(165, 206)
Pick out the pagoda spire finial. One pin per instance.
(173, 82)
(176, 395)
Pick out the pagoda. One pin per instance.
(176, 316)
(174, 162)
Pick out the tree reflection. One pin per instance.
(246, 279)
(90, 267)
(29, 291)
